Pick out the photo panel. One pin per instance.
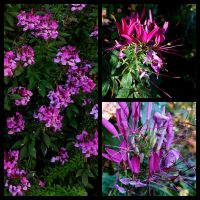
(149, 51)
(148, 148)
(51, 99)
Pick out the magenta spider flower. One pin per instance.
(142, 146)
(134, 164)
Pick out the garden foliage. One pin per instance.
(50, 96)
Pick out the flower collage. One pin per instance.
(96, 105)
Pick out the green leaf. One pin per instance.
(74, 124)
(17, 144)
(123, 93)
(43, 149)
(85, 179)
(46, 139)
(105, 87)
(24, 152)
(107, 182)
(9, 28)
(26, 139)
(126, 80)
(32, 83)
(15, 96)
(19, 71)
(9, 19)
(74, 108)
(31, 149)
(42, 90)
(6, 80)
(46, 84)
(79, 172)
(89, 173)
(114, 60)
(7, 105)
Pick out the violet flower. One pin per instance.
(9, 63)
(134, 164)
(171, 158)
(154, 163)
(155, 61)
(125, 108)
(122, 123)
(135, 113)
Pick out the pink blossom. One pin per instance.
(15, 124)
(60, 98)
(155, 61)
(41, 26)
(25, 54)
(94, 111)
(77, 7)
(50, 116)
(9, 63)
(89, 146)
(62, 156)
(25, 95)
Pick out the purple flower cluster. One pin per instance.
(75, 7)
(88, 146)
(158, 130)
(41, 26)
(50, 116)
(67, 55)
(95, 33)
(62, 156)
(60, 98)
(9, 63)
(25, 54)
(16, 180)
(94, 111)
(87, 84)
(25, 96)
(15, 123)
(76, 76)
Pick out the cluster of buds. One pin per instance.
(150, 143)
